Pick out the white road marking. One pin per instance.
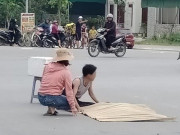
(159, 52)
(27, 48)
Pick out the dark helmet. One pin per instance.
(47, 20)
(13, 20)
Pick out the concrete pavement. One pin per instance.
(140, 77)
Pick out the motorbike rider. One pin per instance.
(45, 26)
(13, 30)
(110, 26)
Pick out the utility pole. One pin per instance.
(68, 12)
(27, 6)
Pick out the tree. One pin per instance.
(11, 8)
(39, 8)
(62, 6)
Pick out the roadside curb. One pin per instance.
(157, 48)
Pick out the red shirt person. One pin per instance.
(55, 32)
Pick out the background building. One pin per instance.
(163, 17)
(129, 16)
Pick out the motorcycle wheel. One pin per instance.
(36, 41)
(53, 45)
(73, 43)
(93, 49)
(46, 44)
(26, 40)
(2, 42)
(64, 44)
(21, 42)
(121, 50)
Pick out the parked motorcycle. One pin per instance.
(68, 41)
(6, 38)
(63, 39)
(49, 41)
(99, 45)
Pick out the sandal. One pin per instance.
(51, 114)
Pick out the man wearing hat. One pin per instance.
(57, 78)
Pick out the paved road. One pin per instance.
(142, 76)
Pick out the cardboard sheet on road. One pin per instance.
(122, 112)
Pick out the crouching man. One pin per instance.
(83, 84)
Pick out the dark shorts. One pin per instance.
(81, 103)
(59, 102)
(62, 36)
(56, 36)
(78, 36)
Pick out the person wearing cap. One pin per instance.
(56, 79)
(110, 25)
(78, 30)
(55, 32)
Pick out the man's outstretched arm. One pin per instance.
(91, 93)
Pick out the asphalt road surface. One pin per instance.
(147, 77)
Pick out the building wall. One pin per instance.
(132, 16)
(161, 29)
(151, 22)
(155, 26)
(107, 10)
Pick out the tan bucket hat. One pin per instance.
(63, 54)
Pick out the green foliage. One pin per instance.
(39, 7)
(97, 22)
(11, 9)
(174, 37)
(165, 39)
(63, 11)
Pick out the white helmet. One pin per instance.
(80, 17)
(110, 16)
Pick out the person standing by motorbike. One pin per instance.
(13, 29)
(78, 30)
(110, 25)
(45, 26)
(84, 35)
(55, 32)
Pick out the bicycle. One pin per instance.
(27, 39)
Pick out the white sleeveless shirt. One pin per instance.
(82, 89)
